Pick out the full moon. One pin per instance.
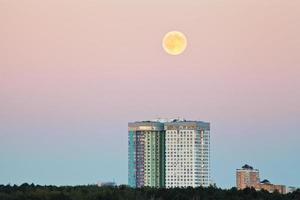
(174, 43)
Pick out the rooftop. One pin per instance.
(265, 181)
(247, 167)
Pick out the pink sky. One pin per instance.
(69, 63)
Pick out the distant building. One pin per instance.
(169, 153)
(246, 177)
(291, 189)
(266, 185)
(103, 184)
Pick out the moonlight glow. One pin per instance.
(174, 42)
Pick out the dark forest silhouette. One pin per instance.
(93, 192)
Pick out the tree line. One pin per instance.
(93, 192)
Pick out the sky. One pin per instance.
(74, 73)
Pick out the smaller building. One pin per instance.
(291, 189)
(106, 184)
(267, 185)
(247, 177)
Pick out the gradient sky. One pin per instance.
(73, 73)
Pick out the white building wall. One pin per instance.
(187, 158)
(204, 158)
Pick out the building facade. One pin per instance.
(146, 154)
(169, 153)
(187, 154)
(246, 177)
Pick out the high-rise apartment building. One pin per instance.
(174, 153)
(187, 154)
(146, 154)
(247, 177)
